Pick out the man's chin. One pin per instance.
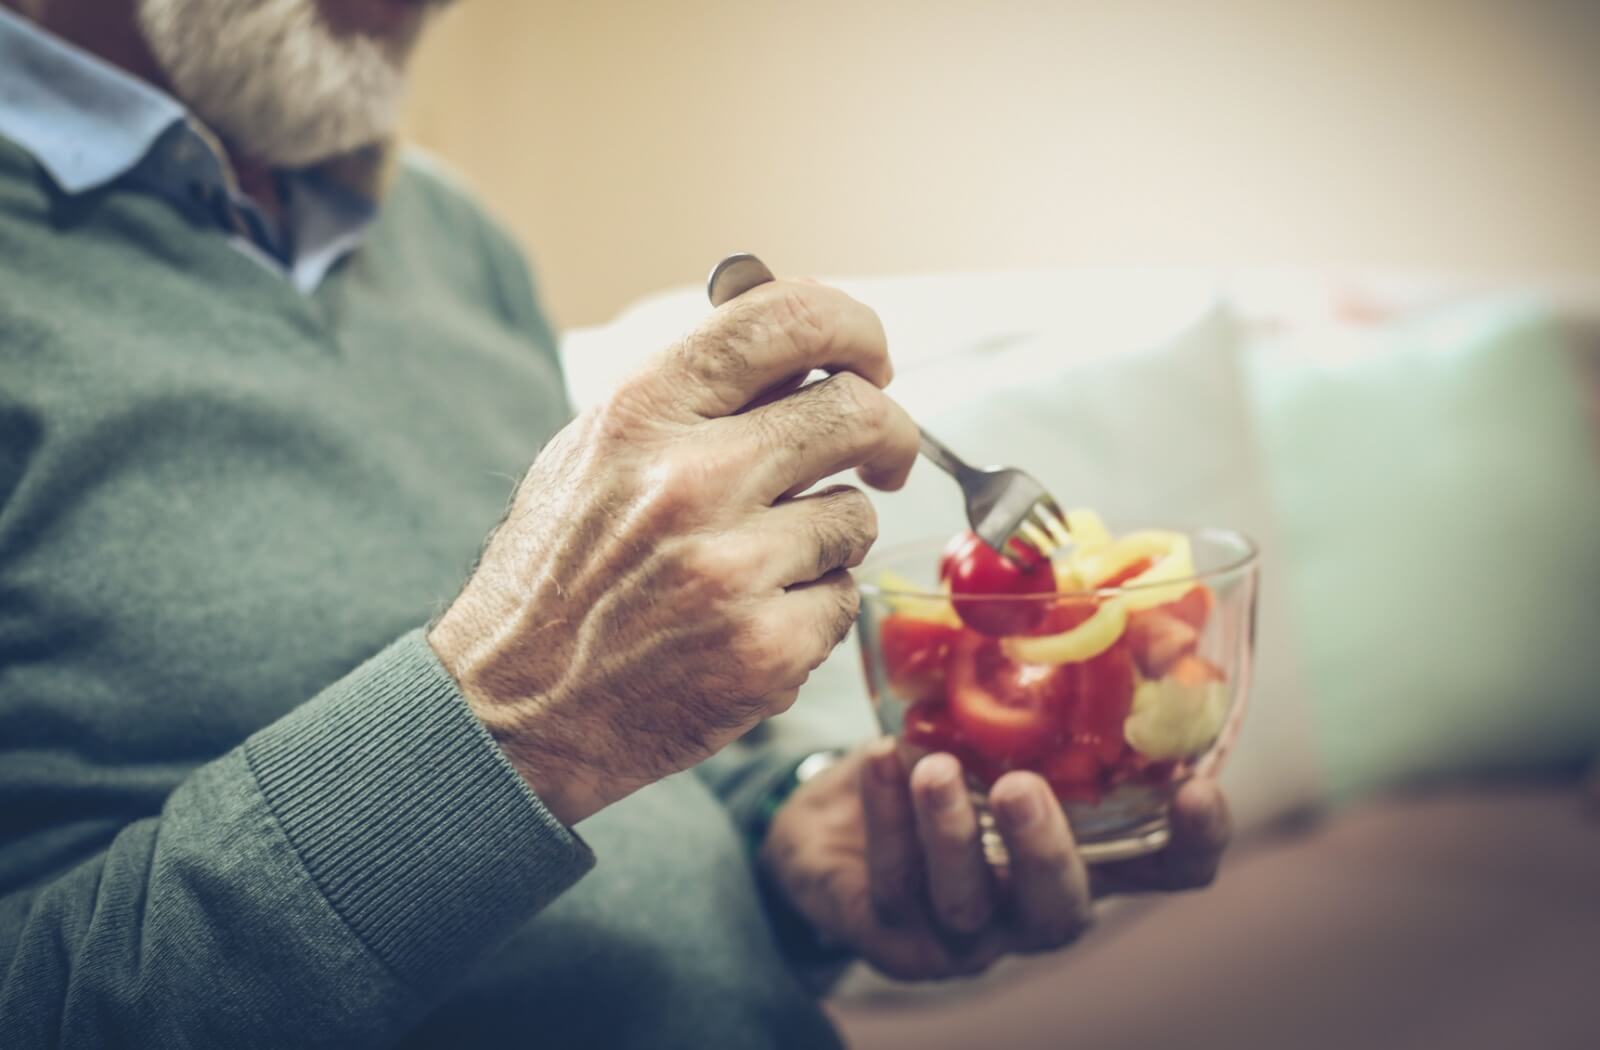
(275, 79)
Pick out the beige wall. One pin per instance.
(630, 144)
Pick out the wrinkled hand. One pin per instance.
(656, 588)
(893, 867)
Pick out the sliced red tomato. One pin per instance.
(1063, 614)
(927, 725)
(1074, 775)
(914, 655)
(1101, 698)
(1097, 704)
(1159, 639)
(978, 572)
(1072, 764)
(1004, 711)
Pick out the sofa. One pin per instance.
(1418, 457)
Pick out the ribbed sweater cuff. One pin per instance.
(408, 816)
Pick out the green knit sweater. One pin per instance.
(240, 802)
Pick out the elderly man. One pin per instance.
(262, 385)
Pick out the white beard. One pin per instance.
(273, 79)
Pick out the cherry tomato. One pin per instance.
(1159, 639)
(914, 655)
(954, 551)
(976, 570)
(1005, 711)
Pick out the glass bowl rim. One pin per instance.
(1245, 561)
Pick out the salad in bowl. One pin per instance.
(1116, 669)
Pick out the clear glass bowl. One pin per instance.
(1115, 733)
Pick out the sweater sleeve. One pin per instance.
(320, 885)
(744, 774)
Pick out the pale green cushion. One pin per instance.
(1439, 499)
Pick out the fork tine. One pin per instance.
(1036, 537)
(1051, 517)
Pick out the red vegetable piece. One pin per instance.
(915, 653)
(1194, 608)
(1103, 695)
(927, 725)
(1159, 639)
(1064, 614)
(1074, 775)
(1137, 568)
(1192, 671)
(976, 571)
(1073, 764)
(1004, 711)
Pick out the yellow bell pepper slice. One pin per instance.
(1166, 581)
(1172, 561)
(1170, 719)
(905, 597)
(1067, 579)
(1087, 529)
(1084, 642)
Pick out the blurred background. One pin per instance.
(1327, 273)
(630, 144)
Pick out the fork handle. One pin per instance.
(948, 461)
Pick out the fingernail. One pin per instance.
(1022, 809)
(946, 791)
(943, 780)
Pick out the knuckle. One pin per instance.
(797, 312)
(861, 522)
(714, 568)
(864, 405)
(677, 484)
(624, 417)
(767, 653)
(849, 609)
(718, 353)
(833, 545)
(781, 701)
(835, 622)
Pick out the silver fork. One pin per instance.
(1003, 503)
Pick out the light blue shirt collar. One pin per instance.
(89, 124)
